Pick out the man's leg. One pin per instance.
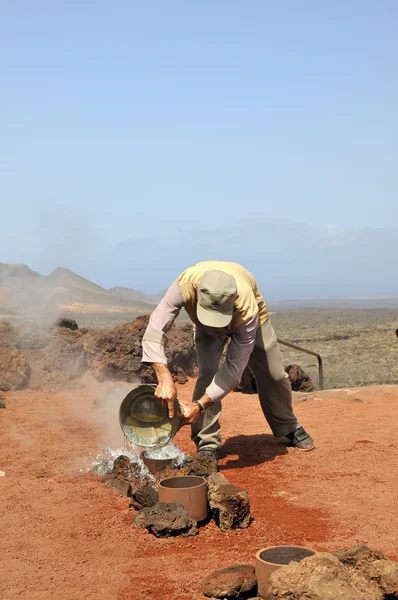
(274, 389)
(206, 431)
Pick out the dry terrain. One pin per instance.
(358, 347)
(66, 536)
(357, 341)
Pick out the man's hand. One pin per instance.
(166, 390)
(189, 412)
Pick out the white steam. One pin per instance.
(104, 460)
(169, 451)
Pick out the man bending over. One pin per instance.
(224, 303)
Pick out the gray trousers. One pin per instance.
(273, 385)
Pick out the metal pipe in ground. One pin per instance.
(270, 559)
(156, 465)
(188, 490)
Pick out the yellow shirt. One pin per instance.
(248, 304)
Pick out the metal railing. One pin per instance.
(318, 356)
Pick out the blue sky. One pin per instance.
(131, 127)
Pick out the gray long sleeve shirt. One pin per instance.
(238, 351)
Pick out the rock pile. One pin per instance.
(14, 368)
(378, 570)
(124, 469)
(57, 357)
(355, 574)
(229, 505)
(116, 354)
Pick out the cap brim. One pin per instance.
(213, 318)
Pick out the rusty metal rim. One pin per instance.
(156, 465)
(200, 481)
(266, 562)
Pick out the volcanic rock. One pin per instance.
(144, 496)
(67, 323)
(40, 357)
(229, 504)
(121, 465)
(299, 381)
(56, 357)
(124, 470)
(116, 354)
(120, 486)
(374, 566)
(33, 338)
(61, 362)
(238, 581)
(14, 369)
(200, 464)
(6, 328)
(166, 519)
(320, 577)
(7, 334)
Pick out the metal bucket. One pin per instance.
(188, 490)
(145, 421)
(156, 465)
(270, 559)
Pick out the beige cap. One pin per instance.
(217, 293)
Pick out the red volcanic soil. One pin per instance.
(65, 536)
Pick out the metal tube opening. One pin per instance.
(283, 555)
(183, 482)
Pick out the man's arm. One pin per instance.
(230, 373)
(155, 340)
(238, 353)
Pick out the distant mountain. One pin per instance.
(136, 296)
(27, 293)
(8, 272)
